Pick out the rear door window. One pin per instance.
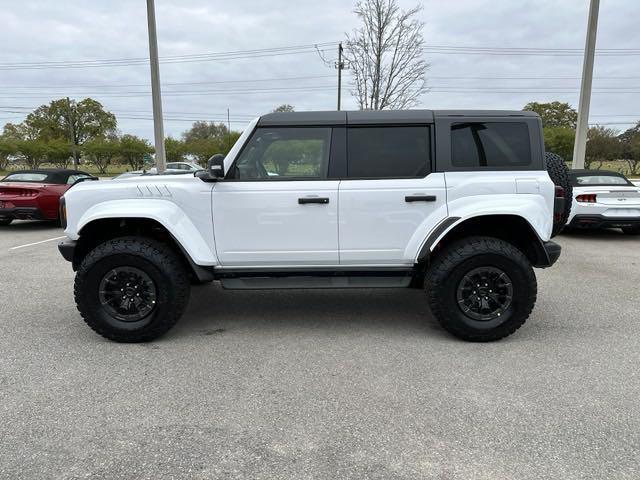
(490, 144)
(388, 152)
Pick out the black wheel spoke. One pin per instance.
(127, 293)
(484, 293)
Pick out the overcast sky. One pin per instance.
(33, 32)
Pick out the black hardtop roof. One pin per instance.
(364, 117)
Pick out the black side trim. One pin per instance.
(221, 274)
(67, 248)
(440, 228)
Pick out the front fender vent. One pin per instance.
(153, 191)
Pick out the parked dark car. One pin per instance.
(35, 194)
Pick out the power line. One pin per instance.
(202, 57)
(309, 48)
(133, 85)
(525, 51)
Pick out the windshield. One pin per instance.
(600, 179)
(26, 177)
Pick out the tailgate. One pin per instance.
(620, 197)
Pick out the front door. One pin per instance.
(277, 208)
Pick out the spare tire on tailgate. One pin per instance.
(559, 173)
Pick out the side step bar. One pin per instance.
(260, 280)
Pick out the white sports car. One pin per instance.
(603, 199)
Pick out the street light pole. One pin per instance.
(158, 128)
(580, 146)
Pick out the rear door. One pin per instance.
(389, 199)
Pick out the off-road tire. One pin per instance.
(631, 230)
(447, 271)
(162, 265)
(5, 221)
(559, 174)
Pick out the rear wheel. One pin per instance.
(559, 174)
(131, 289)
(481, 289)
(5, 221)
(631, 230)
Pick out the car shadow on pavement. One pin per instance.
(213, 309)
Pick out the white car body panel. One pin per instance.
(378, 226)
(528, 194)
(182, 204)
(261, 223)
(611, 201)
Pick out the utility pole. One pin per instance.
(158, 128)
(580, 146)
(340, 67)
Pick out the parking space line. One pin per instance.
(37, 243)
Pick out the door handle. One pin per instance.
(305, 200)
(420, 198)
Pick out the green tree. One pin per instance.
(101, 152)
(559, 140)
(32, 152)
(175, 149)
(554, 114)
(203, 149)
(205, 131)
(133, 150)
(58, 152)
(285, 107)
(630, 148)
(602, 144)
(8, 149)
(77, 122)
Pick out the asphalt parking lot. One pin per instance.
(323, 384)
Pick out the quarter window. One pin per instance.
(388, 152)
(490, 144)
(285, 153)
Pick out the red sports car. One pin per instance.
(35, 194)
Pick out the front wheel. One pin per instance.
(131, 289)
(481, 289)
(635, 230)
(5, 221)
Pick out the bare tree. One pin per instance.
(386, 56)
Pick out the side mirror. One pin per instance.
(215, 166)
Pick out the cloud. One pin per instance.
(45, 31)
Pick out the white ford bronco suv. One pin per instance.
(459, 203)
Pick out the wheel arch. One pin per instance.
(101, 230)
(514, 229)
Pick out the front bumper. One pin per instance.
(67, 249)
(22, 213)
(602, 221)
